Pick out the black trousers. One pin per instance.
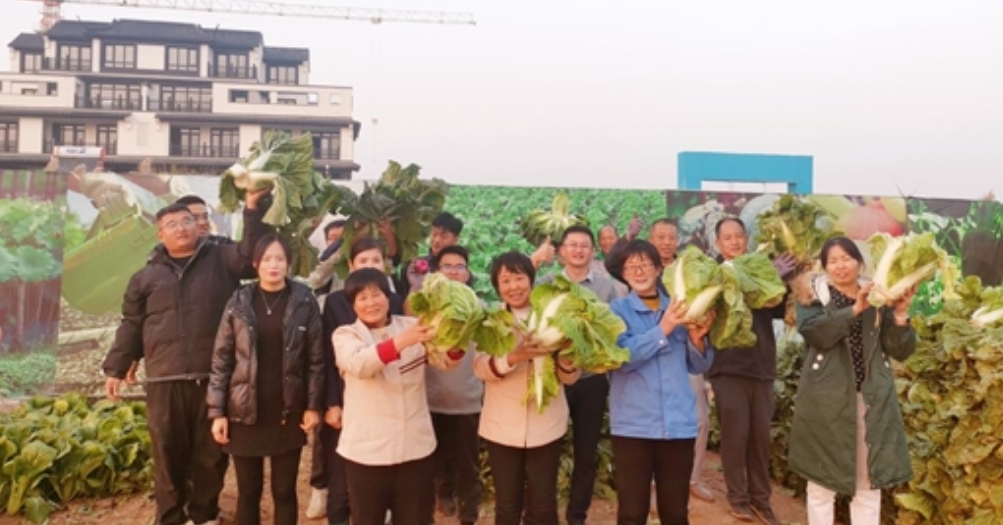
(188, 465)
(250, 480)
(587, 404)
(404, 489)
(457, 462)
(637, 461)
(745, 410)
(318, 459)
(337, 482)
(525, 483)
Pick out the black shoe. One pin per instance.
(741, 513)
(447, 507)
(765, 515)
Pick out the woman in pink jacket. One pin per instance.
(524, 444)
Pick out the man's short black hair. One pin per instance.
(365, 278)
(455, 249)
(172, 209)
(188, 200)
(666, 221)
(447, 221)
(338, 223)
(726, 220)
(578, 228)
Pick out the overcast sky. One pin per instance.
(886, 95)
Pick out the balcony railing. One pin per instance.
(66, 64)
(327, 153)
(126, 103)
(8, 146)
(179, 106)
(110, 148)
(205, 151)
(228, 71)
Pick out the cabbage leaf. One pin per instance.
(451, 308)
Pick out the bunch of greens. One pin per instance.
(759, 281)
(572, 322)
(796, 227)
(451, 308)
(280, 162)
(951, 392)
(904, 262)
(701, 283)
(55, 450)
(400, 202)
(540, 225)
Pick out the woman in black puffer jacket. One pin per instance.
(266, 387)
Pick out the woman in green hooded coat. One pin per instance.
(847, 436)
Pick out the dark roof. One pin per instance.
(64, 112)
(234, 39)
(290, 55)
(236, 118)
(74, 29)
(156, 31)
(28, 42)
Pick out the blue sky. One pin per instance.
(888, 96)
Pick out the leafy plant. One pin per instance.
(25, 373)
(540, 225)
(53, 450)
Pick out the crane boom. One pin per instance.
(272, 8)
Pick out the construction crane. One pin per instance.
(51, 10)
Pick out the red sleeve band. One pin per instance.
(455, 355)
(387, 351)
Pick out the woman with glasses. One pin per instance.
(524, 443)
(653, 417)
(454, 398)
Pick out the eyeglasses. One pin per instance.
(638, 268)
(183, 223)
(451, 268)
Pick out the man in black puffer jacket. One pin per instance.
(170, 314)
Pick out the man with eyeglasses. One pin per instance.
(587, 397)
(203, 222)
(170, 315)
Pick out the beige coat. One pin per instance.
(385, 418)
(507, 419)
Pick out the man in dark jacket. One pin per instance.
(170, 314)
(743, 388)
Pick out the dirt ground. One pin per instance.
(138, 509)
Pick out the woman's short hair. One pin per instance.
(365, 278)
(266, 242)
(364, 244)
(639, 248)
(512, 262)
(846, 244)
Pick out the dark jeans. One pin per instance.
(318, 458)
(188, 465)
(637, 461)
(745, 410)
(250, 479)
(457, 462)
(337, 483)
(587, 403)
(525, 483)
(404, 489)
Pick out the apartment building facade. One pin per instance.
(190, 99)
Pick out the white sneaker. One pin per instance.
(388, 519)
(318, 504)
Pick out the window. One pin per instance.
(191, 99)
(68, 134)
(51, 89)
(232, 66)
(283, 75)
(119, 56)
(126, 96)
(8, 137)
(74, 58)
(224, 143)
(335, 99)
(287, 132)
(326, 145)
(238, 95)
(185, 142)
(183, 59)
(108, 138)
(31, 62)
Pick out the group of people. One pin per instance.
(250, 371)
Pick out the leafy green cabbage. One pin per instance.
(495, 335)
(906, 261)
(796, 227)
(451, 308)
(759, 281)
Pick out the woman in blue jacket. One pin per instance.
(652, 410)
